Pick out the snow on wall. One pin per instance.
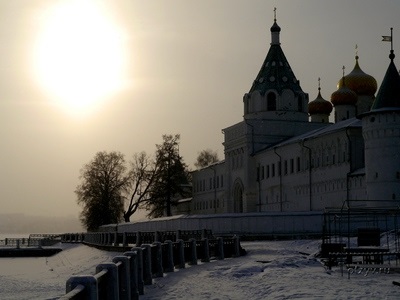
(290, 223)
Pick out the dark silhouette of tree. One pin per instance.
(143, 173)
(205, 158)
(172, 178)
(104, 181)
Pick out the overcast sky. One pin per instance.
(78, 77)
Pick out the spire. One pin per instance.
(343, 68)
(275, 73)
(275, 30)
(391, 55)
(319, 86)
(389, 93)
(356, 53)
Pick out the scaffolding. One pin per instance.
(359, 231)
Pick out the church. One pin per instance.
(286, 156)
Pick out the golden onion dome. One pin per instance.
(360, 82)
(344, 95)
(319, 105)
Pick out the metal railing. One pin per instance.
(28, 242)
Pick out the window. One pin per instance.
(262, 173)
(273, 170)
(285, 168)
(291, 165)
(267, 171)
(279, 168)
(298, 164)
(222, 181)
(271, 101)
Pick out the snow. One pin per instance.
(45, 278)
(270, 270)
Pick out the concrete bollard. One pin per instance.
(138, 239)
(139, 257)
(158, 263)
(193, 252)
(206, 249)
(236, 241)
(157, 236)
(181, 255)
(124, 277)
(111, 284)
(115, 238)
(89, 283)
(133, 273)
(124, 239)
(220, 245)
(203, 234)
(147, 274)
(169, 264)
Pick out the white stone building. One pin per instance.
(286, 156)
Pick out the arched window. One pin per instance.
(271, 101)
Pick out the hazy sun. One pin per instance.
(79, 55)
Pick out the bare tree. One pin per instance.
(142, 174)
(205, 158)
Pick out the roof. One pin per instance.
(389, 91)
(359, 82)
(329, 129)
(319, 105)
(275, 72)
(210, 166)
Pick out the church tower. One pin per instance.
(381, 132)
(276, 92)
(275, 109)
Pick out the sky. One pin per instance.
(78, 77)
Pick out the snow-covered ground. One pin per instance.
(270, 270)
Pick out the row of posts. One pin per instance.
(28, 242)
(111, 238)
(127, 275)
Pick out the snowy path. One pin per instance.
(270, 270)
